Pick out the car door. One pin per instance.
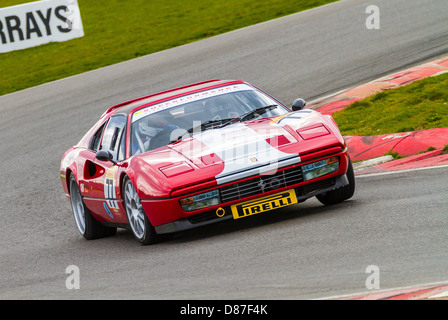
(100, 177)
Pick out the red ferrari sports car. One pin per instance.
(200, 154)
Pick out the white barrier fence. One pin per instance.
(36, 23)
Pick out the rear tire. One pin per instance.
(87, 225)
(341, 194)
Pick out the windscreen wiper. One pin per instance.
(257, 110)
(210, 124)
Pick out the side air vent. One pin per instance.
(92, 171)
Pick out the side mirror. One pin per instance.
(104, 155)
(298, 104)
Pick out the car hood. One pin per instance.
(222, 155)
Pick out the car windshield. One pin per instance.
(158, 125)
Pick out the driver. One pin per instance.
(163, 121)
(153, 131)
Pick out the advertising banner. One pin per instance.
(35, 23)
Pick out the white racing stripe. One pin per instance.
(244, 151)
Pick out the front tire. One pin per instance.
(141, 227)
(87, 225)
(341, 194)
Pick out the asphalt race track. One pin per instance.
(397, 222)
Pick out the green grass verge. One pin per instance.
(445, 149)
(418, 106)
(117, 30)
(8, 3)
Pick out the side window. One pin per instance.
(96, 139)
(122, 148)
(112, 135)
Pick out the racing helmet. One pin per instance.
(146, 130)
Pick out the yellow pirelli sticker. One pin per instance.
(275, 201)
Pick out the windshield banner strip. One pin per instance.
(189, 98)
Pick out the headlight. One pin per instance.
(320, 168)
(200, 201)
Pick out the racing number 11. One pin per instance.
(109, 193)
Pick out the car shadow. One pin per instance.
(294, 213)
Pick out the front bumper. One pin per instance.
(302, 193)
(166, 214)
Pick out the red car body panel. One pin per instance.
(191, 166)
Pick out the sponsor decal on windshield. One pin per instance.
(189, 98)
